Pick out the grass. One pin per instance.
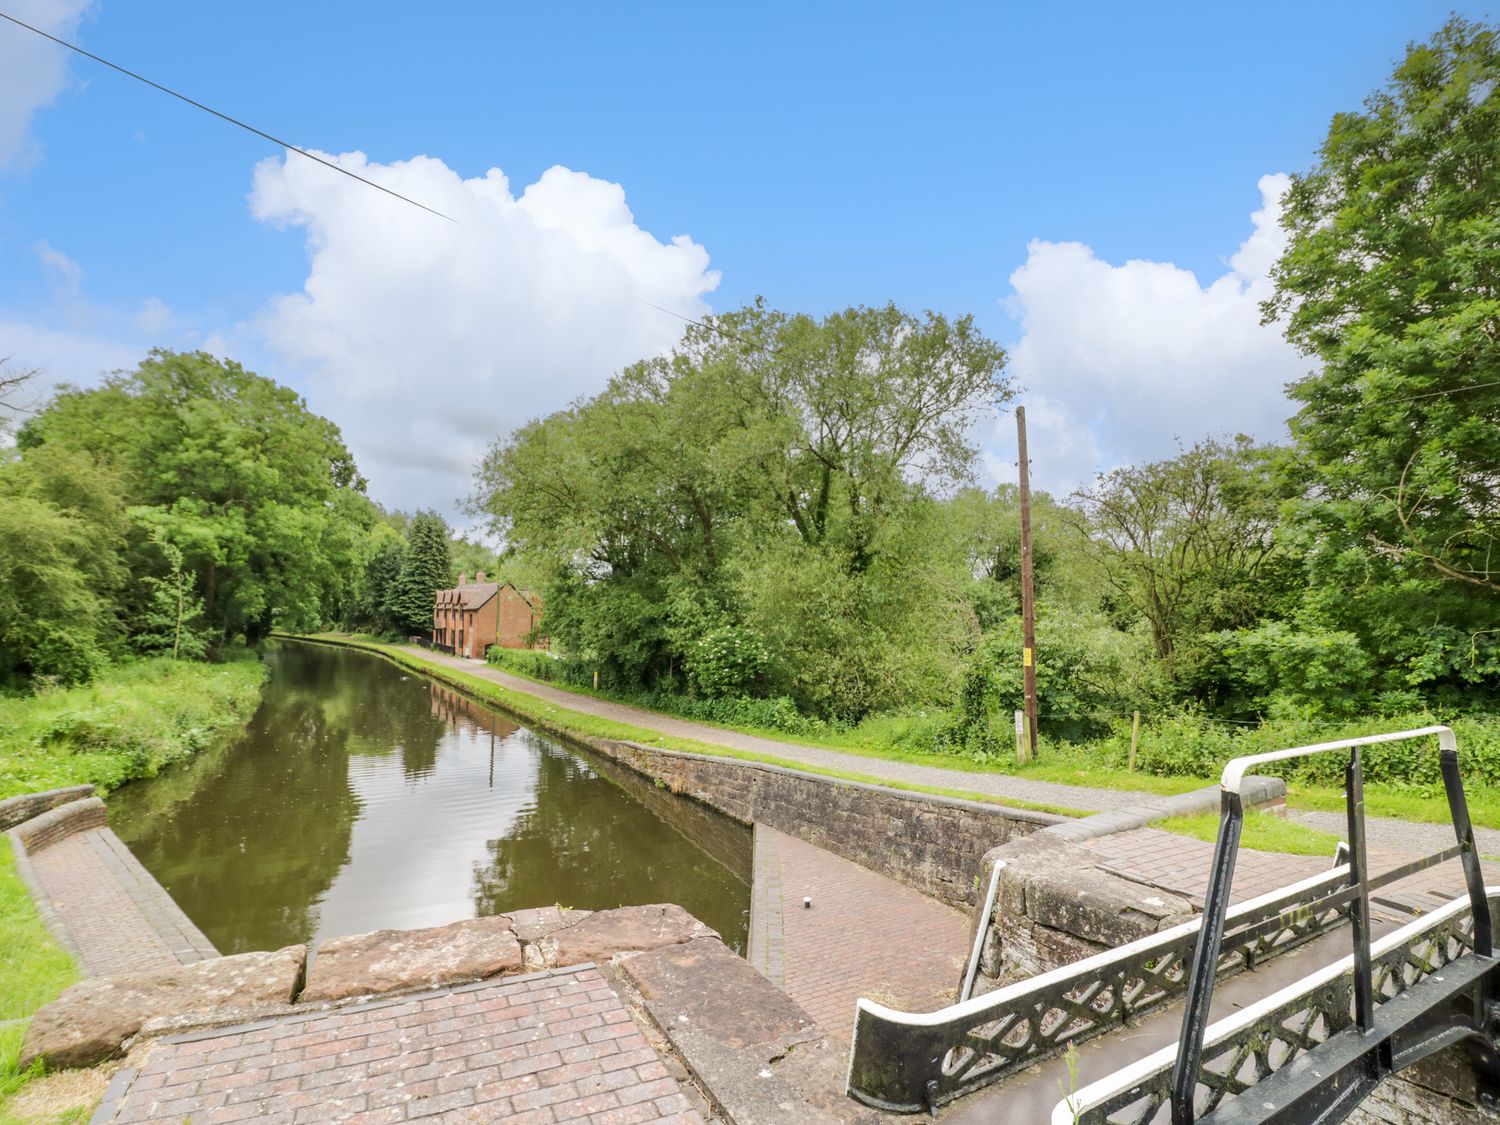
(133, 720)
(579, 724)
(33, 968)
(1263, 832)
(130, 722)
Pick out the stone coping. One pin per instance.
(980, 808)
(17, 810)
(1256, 792)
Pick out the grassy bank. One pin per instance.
(1177, 753)
(133, 720)
(129, 723)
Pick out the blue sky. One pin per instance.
(1009, 160)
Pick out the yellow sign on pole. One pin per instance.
(1025, 657)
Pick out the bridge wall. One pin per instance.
(934, 844)
(1437, 1091)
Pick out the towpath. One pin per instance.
(908, 773)
(1397, 835)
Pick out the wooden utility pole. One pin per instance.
(1028, 598)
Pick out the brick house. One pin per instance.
(471, 616)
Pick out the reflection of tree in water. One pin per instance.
(257, 836)
(584, 843)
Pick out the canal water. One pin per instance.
(364, 797)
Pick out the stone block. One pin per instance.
(391, 960)
(602, 935)
(89, 1022)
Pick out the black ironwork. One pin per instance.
(1429, 991)
(1385, 1039)
(909, 1062)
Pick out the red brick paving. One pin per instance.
(1181, 864)
(117, 915)
(550, 1048)
(865, 935)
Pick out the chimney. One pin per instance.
(479, 578)
(463, 579)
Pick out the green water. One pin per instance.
(364, 797)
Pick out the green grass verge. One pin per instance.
(133, 720)
(579, 724)
(130, 722)
(33, 969)
(1263, 832)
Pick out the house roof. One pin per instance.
(471, 596)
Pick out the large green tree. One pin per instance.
(765, 489)
(1391, 282)
(257, 495)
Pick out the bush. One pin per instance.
(540, 666)
(1192, 744)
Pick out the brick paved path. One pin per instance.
(1181, 865)
(865, 935)
(552, 1047)
(119, 917)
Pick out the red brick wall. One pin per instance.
(516, 619)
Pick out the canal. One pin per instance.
(364, 797)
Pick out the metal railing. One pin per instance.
(911, 1062)
(1335, 1010)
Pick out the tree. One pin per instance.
(62, 523)
(1391, 280)
(426, 568)
(762, 489)
(1180, 540)
(12, 385)
(258, 493)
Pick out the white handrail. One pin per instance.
(1234, 772)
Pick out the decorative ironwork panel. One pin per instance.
(1250, 1052)
(911, 1063)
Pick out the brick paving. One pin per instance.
(1181, 864)
(547, 1048)
(865, 935)
(118, 916)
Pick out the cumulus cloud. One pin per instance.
(1120, 361)
(35, 71)
(425, 339)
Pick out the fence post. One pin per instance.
(1135, 737)
(1021, 740)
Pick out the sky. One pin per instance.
(1098, 184)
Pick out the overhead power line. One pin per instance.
(226, 117)
(235, 121)
(1406, 398)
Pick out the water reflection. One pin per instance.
(363, 797)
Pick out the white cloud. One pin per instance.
(424, 339)
(1118, 362)
(63, 273)
(35, 71)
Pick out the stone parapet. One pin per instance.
(58, 823)
(17, 810)
(931, 843)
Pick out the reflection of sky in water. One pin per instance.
(360, 797)
(421, 837)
